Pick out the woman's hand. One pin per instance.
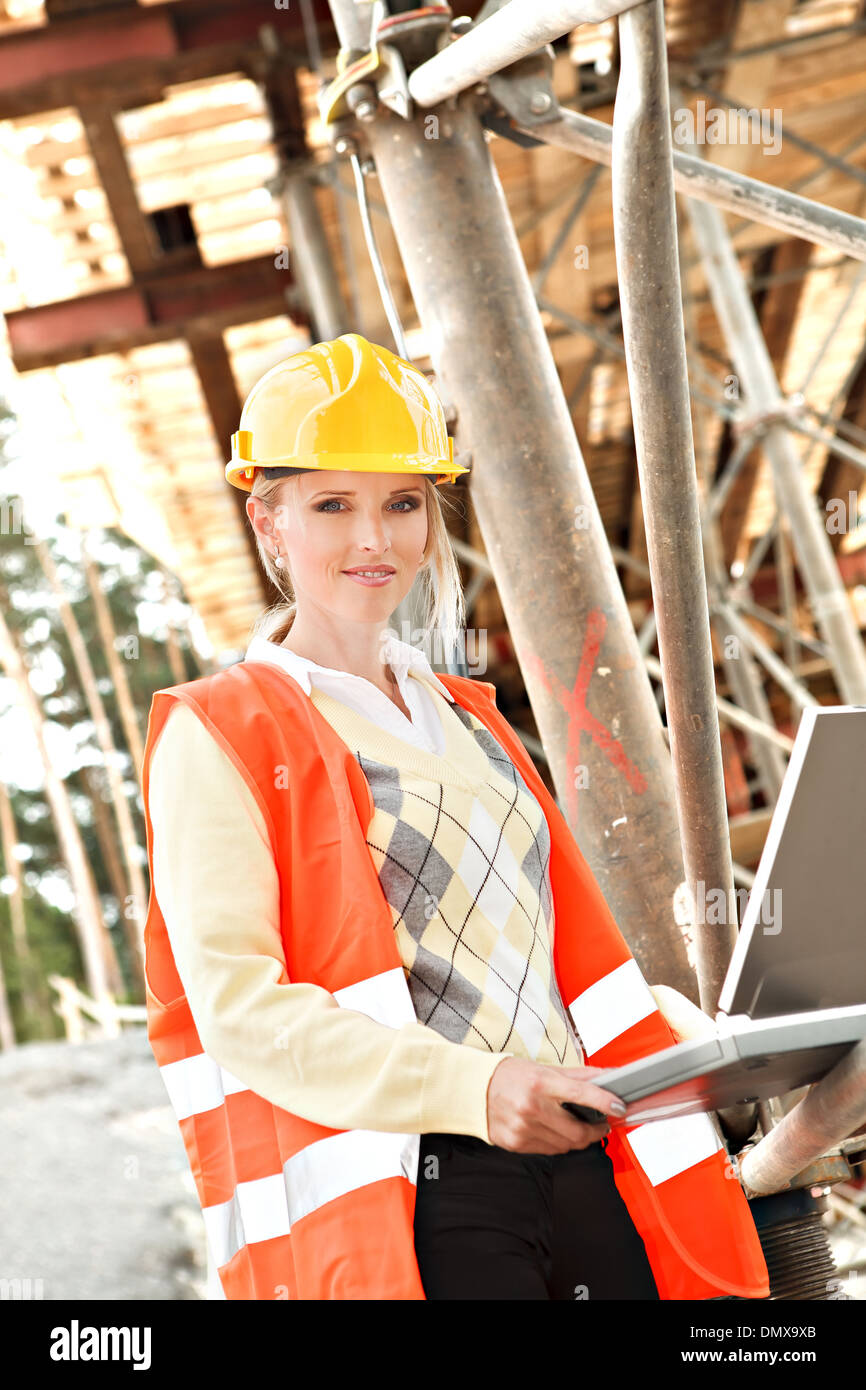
(524, 1107)
(684, 1018)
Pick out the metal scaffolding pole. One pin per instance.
(742, 225)
(762, 202)
(827, 158)
(734, 715)
(830, 1111)
(644, 220)
(742, 676)
(749, 694)
(768, 658)
(786, 626)
(739, 668)
(830, 442)
(572, 631)
(314, 267)
(519, 28)
(736, 314)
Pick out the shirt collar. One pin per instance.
(402, 657)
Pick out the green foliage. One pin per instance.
(54, 949)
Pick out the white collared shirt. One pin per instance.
(412, 671)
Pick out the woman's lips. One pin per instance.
(370, 583)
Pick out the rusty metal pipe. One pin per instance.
(519, 28)
(314, 266)
(644, 215)
(833, 1108)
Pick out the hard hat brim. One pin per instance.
(241, 474)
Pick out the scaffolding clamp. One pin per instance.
(353, 70)
(524, 89)
(365, 79)
(783, 413)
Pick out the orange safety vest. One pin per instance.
(295, 1209)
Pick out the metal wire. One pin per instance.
(376, 261)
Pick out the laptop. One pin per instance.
(794, 998)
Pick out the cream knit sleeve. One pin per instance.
(293, 1043)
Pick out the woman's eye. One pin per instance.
(402, 502)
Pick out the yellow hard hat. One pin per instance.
(345, 404)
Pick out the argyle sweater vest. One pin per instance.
(462, 851)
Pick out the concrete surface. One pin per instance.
(96, 1197)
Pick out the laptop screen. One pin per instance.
(802, 944)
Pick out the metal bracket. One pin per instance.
(524, 89)
(501, 125)
(824, 1171)
(410, 38)
(395, 40)
(332, 99)
(393, 85)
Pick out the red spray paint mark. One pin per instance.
(579, 717)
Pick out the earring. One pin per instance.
(278, 559)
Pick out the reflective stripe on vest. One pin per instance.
(261, 1209)
(269, 1207)
(616, 1002)
(604, 1011)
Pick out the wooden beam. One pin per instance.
(224, 407)
(162, 306)
(122, 55)
(136, 233)
(748, 835)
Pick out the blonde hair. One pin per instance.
(443, 608)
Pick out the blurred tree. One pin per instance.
(105, 740)
(151, 648)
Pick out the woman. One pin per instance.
(367, 909)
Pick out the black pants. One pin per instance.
(490, 1223)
